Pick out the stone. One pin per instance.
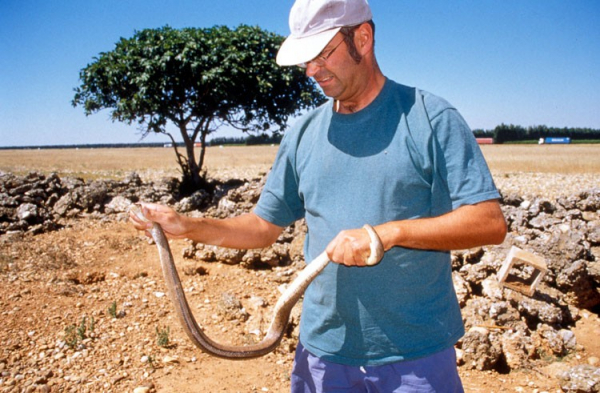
(118, 204)
(491, 288)
(478, 351)
(579, 286)
(27, 212)
(170, 360)
(232, 308)
(461, 288)
(569, 339)
(580, 379)
(549, 341)
(517, 349)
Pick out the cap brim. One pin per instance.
(296, 51)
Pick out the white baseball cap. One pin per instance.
(313, 23)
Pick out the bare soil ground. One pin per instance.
(52, 285)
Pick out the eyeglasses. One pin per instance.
(321, 59)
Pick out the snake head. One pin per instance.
(136, 210)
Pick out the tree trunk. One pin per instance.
(193, 168)
(201, 156)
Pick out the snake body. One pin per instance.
(281, 311)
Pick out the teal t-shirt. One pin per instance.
(409, 154)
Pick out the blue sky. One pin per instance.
(525, 62)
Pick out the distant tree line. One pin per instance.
(86, 146)
(514, 133)
(260, 139)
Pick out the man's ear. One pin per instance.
(363, 38)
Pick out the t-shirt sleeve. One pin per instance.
(459, 162)
(280, 202)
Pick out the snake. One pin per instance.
(281, 311)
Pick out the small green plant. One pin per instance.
(112, 309)
(151, 361)
(83, 328)
(162, 337)
(71, 336)
(550, 357)
(75, 334)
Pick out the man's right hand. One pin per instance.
(245, 231)
(172, 223)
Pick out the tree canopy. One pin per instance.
(198, 80)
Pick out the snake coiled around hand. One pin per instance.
(281, 311)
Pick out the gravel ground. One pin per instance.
(547, 185)
(50, 283)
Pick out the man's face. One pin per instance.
(334, 70)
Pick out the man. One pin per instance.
(378, 153)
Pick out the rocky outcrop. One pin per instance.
(505, 329)
(37, 203)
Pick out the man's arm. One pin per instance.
(244, 232)
(466, 227)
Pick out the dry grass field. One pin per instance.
(565, 159)
(151, 163)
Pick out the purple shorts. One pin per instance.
(436, 373)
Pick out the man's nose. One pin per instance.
(311, 69)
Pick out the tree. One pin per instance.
(507, 133)
(197, 80)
